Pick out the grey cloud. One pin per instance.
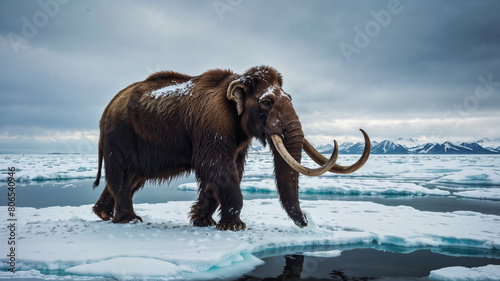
(422, 64)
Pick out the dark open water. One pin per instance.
(361, 264)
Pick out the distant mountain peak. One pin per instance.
(389, 147)
(406, 139)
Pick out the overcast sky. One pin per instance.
(413, 69)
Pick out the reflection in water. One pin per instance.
(362, 264)
(293, 270)
(339, 275)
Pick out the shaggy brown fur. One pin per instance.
(172, 124)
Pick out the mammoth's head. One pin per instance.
(267, 113)
(265, 108)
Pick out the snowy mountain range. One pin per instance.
(412, 146)
(408, 146)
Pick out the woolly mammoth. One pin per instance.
(173, 124)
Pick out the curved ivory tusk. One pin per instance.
(278, 143)
(338, 169)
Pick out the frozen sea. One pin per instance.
(401, 217)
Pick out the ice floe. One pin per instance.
(325, 185)
(483, 193)
(72, 241)
(323, 254)
(458, 273)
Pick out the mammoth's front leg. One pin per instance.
(224, 178)
(203, 209)
(231, 201)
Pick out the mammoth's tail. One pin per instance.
(98, 178)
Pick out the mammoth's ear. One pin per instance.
(236, 92)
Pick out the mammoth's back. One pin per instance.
(169, 106)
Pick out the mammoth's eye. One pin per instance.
(267, 102)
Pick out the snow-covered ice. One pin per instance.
(485, 193)
(458, 273)
(127, 266)
(39, 167)
(72, 240)
(325, 185)
(323, 254)
(485, 175)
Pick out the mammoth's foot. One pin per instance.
(105, 206)
(234, 225)
(126, 217)
(104, 211)
(104, 215)
(202, 222)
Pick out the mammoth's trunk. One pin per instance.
(287, 179)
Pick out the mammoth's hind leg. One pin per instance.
(124, 210)
(203, 209)
(104, 207)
